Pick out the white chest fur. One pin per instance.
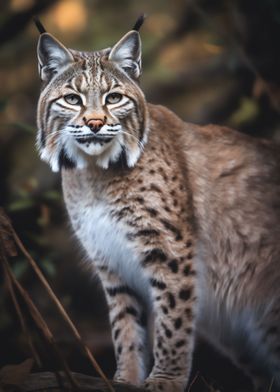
(105, 241)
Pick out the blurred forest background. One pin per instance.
(214, 61)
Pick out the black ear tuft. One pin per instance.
(39, 25)
(139, 22)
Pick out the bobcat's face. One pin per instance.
(91, 107)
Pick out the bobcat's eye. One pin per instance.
(73, 99)
(113, 98)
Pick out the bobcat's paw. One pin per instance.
(164, 385)
(128, 378)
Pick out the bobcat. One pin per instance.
(181, 222)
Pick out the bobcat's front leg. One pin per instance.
(172, 282)
(127, 324)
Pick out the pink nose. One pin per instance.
(95, 124)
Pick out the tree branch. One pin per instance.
(47, 381)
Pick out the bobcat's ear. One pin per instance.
(52, 56)
(127, 53)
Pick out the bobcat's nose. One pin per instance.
(95, 124)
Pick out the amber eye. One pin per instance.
(73, 99)
(113, 98)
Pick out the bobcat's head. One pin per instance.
(91, 106)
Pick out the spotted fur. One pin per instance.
(181, 222)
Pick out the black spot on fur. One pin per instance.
(145, 233)
(152, 211)
(158, 284)
(140, 200)
(185, 294)
(155, 188)
(167, 331)
(177, 370)
(159, 343)
(154, 255)
(171, 300)
(113, 291)
(173, 265)
(116, 333)
(128, 310)
(178, 323)
(164, 309)
(131, 310)
(123, 212)
(188, 313)
(188, 244)
(187, 270)
(180, 343)
(119, 349)
(173, 229)
(84, 65)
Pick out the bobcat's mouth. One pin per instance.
(96, 139)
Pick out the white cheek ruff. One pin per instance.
(73, 152)
(52, 158)
(133, 156)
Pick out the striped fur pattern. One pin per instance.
(180, 222)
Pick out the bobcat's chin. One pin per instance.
(108, 151)
(94, 146)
